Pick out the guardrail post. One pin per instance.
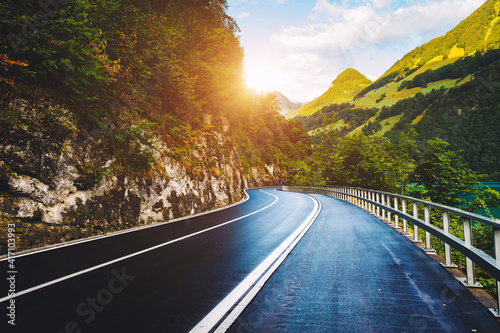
(469, 264)
(383, 204)
(396, 217)
(416, 238)
(427, 220)
(389, 214)
(403, 209)
(365, 196)
(369, 197)
(496, 242)
(378, 201)
(447, 248)
(372, 198)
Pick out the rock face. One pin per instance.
(59, 184)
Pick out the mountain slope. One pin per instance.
(448, 89)
(286, 106)
(343, 89)
(478, 32)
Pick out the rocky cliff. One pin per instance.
(58, 183)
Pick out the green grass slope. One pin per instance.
(343, 89)
(478, 32)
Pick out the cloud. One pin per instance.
(281, 2)
(335, 27)
(242, 15)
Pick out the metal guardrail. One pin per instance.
(379, 204)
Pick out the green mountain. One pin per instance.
(478, 33)
(448, 88)
(343, 89)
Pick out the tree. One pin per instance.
(362, 161)
(444, 174)
(406, 149)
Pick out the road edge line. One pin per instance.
(69, 276)
(228, 310)
(28, 252)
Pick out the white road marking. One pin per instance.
(120, 232)
(43, 285)
(237, 300)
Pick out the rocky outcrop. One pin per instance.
(58, 183)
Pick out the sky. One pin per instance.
(298, 47)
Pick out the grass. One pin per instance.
(331, 127)
(391, 90)
(416, 120)
(388, 124)
(447, 83)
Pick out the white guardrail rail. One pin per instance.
(393, 207)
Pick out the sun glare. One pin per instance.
(262, 78)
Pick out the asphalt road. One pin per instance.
(349, 273)
(161, 279)
(353, 273)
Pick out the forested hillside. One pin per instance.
(137, 70)
(445, 89)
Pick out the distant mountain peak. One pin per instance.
(343, 89)
(286, 106)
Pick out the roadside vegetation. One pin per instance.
(134, 72)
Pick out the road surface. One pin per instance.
(353, 273)
(160, 279)
(349, 273)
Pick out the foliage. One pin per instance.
(134, 71)
(444, 175)
(361, 161)
(459, 69)
(471, 34)
(265, 136)
(346, 112)
(377, 84)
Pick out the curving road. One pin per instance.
(353, 273)
(278, 262)
(166, 278)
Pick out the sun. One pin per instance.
(263, 78)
